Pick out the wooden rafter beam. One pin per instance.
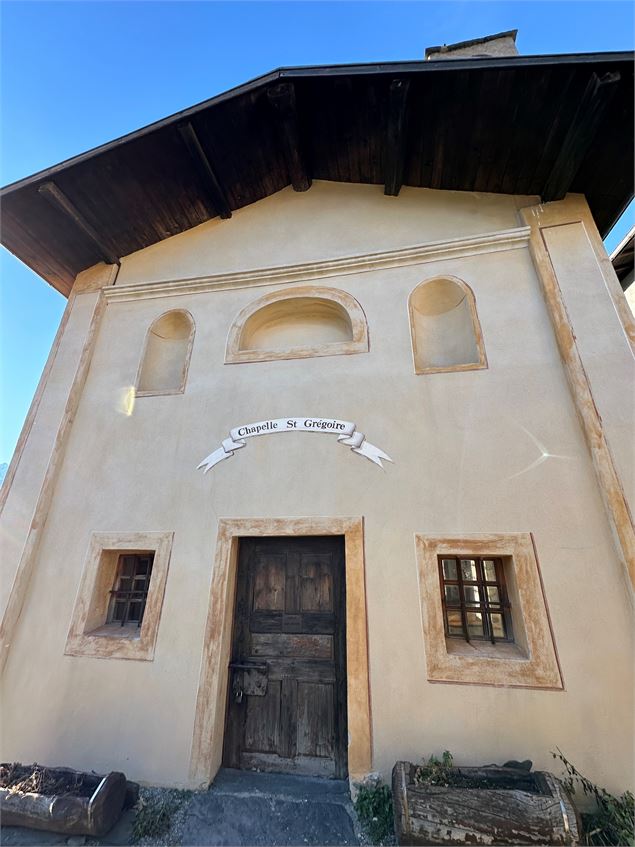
(57, 198)
(396, 131)
(282, 99)
(586, 122)
(213, 187)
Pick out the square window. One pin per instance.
(484, 612)
(119, 602)
(129, 593)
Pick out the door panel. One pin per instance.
(292, 646)
(263, 719)
(289, 713)
(316, 720)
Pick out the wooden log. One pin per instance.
(94, 815)
(454, 815)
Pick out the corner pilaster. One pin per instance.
(594, 330)
(30, 482)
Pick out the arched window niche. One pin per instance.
(445, 329)
(298, 323)
(166, 354)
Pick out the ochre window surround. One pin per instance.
(298, 323)
(530, 661)
(91, 633)
(444, 327)
(165, 359)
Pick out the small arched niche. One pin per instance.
(446, 333)
(298, 323)
(166, 354)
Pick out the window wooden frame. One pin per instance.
(132, 596)
(90, 634)
(485, 607)
(531, 661)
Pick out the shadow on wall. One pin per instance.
(446, 333)
(308, 321)
(166, 354)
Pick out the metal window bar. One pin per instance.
(485, 608)
(122, 601)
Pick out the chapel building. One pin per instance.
(331, 463)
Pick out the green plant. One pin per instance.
(154, 813)
(435, 771)
(373, 805)
(612, 822)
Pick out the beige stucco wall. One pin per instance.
(462, 444)
(327, 222)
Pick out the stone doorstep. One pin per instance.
(248, 808)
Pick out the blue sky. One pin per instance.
(77, 74)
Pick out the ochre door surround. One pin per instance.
(209, 719)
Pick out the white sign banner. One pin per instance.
(346, 432)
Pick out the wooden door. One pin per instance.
(287, 676)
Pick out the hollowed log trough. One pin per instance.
(515, 807)
(69, 814)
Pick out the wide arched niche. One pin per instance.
(298, 323)
(166, 354)
(446, 333)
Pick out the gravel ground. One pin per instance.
(170, 802)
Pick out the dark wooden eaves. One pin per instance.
(623, 258)
(533, 126)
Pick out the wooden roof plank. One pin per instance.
(283, 101)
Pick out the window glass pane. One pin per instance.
(455, 627)
(125, 584)
(475, 624)
(118, 614)
(468, 569)
(452, 595)
(127, 565)
(449, 568)
(492, 594)
(498, 627)
(135, 611)
(142, 566)
(490, 570)
(471, 595)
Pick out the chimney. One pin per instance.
(491, 46)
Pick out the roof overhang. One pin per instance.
(623, 257)
(527, 125)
